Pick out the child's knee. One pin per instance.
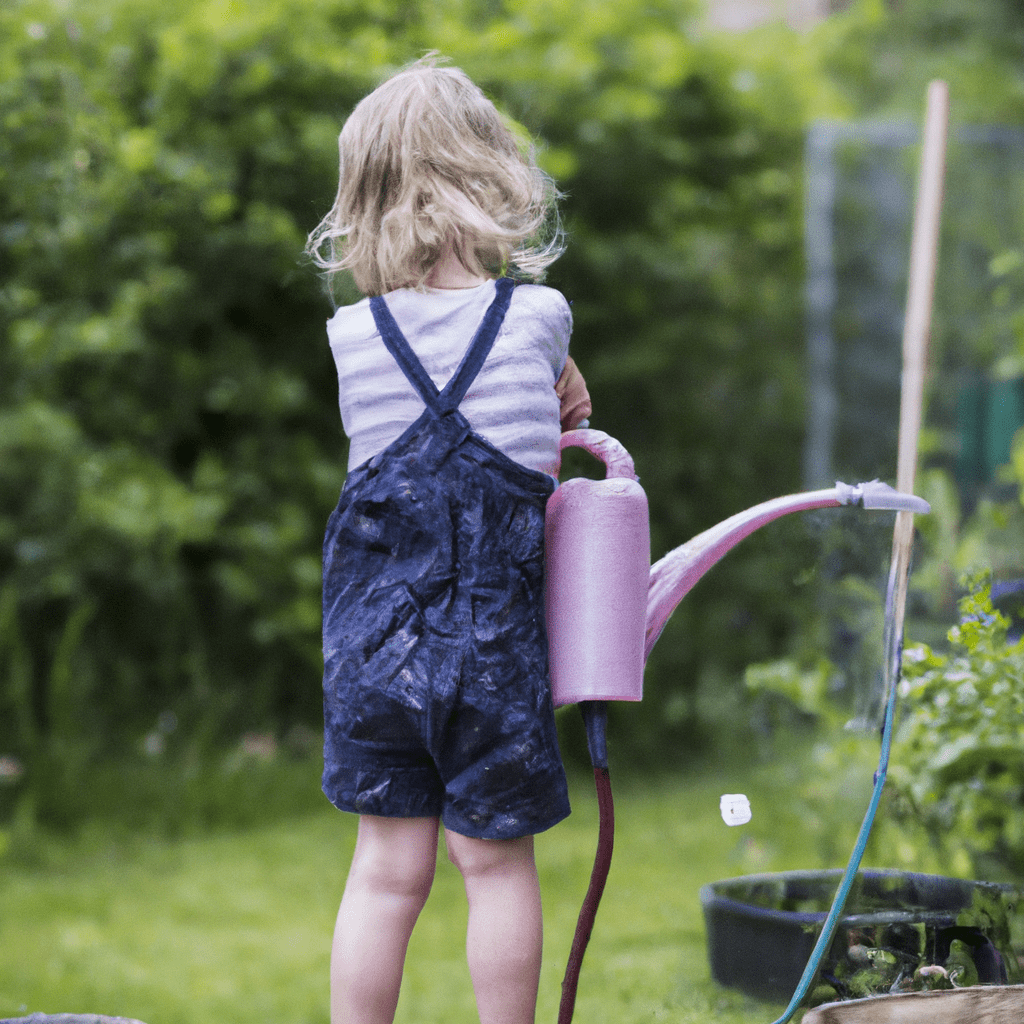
(397, 859)
(482, 856)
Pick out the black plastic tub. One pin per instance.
(761, 928)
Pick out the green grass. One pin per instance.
(236, 927)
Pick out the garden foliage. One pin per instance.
(958, 765)
(170, 446)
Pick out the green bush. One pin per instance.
(168, 441)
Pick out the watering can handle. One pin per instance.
(618, 462)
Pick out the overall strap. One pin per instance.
(479, 348)
(395, 343)
(481, 345)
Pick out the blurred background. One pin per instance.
(739, 185)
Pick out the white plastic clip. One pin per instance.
(735, 809)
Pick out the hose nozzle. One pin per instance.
(877, 495)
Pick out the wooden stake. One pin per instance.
(924, 250)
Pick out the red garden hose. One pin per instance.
(595, 717)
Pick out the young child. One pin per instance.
(454, 385)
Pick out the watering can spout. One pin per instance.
(674, 576)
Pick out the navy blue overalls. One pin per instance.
(437, 700)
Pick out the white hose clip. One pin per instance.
(735, 808)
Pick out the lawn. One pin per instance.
(235, 927)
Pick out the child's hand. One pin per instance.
(571, 389)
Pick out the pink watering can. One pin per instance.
(607, 606)
(606, 603)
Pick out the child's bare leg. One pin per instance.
(388, 883)
(505, 933)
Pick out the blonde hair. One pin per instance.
(427, 163)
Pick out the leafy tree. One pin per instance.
(882, 55)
